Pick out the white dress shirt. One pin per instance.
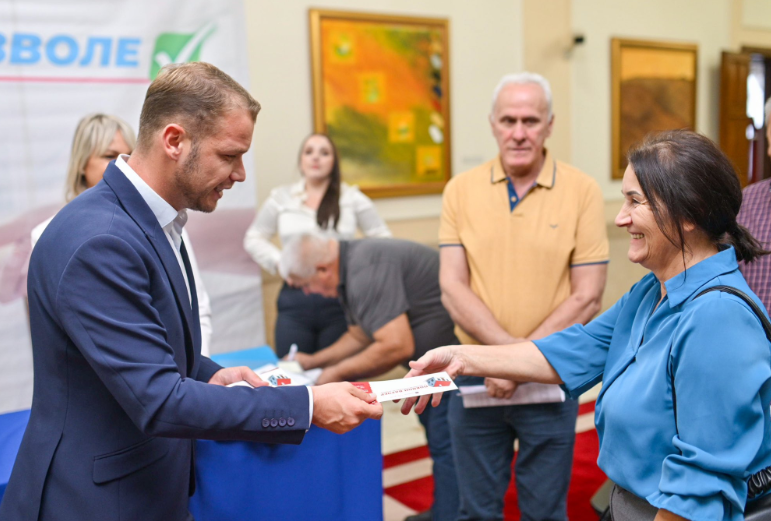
(285, 214)
(172, 223)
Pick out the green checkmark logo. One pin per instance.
(179, 48)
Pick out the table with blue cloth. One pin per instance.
(12, 427)
(327, 477)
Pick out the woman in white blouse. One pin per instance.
(99, 139)
(317, 202)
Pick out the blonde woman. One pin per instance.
(99, 139)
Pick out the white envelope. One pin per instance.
(408, 387)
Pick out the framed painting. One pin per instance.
(653, 89)
(381, 91)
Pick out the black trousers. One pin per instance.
(312, 322)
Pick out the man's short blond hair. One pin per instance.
(195, 95)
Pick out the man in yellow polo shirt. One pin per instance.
(524, 253)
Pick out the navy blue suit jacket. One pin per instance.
(120, 386)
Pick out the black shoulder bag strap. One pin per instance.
(760, 482)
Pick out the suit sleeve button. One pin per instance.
(281, 422)
(273, 422)
(265, 423)
(290, 422)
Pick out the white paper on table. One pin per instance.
(264, 368)
(280, 376)
(290, 365)
(313, 374)
(408, 387)
(476, 395)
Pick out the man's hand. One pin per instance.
(329, 375)
(305, 360)
(499, 388)
(340, 407)
(231, 375)
(446, 358)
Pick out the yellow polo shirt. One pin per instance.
(520, 251)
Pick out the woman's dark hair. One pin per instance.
(329, 208)
(687, 179)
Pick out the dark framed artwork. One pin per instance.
(653, 89)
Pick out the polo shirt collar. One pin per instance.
(546, 177)
(683, 285)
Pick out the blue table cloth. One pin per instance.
(254, 358)
(328, 477)
(12, 427)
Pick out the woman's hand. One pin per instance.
(448, 359)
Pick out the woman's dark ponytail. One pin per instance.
(747, 247)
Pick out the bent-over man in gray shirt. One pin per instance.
(389, 290)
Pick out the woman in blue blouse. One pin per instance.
(673, 455)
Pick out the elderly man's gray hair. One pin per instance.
(524, 78)
(302, 253)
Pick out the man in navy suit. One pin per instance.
(121, 389)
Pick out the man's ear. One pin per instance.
(174, 140)
(550, 126)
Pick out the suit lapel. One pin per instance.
(137, 208)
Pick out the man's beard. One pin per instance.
(185, 177)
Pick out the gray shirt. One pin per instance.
(382, 278)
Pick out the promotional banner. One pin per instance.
(60, 61)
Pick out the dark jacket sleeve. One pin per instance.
(106, 305)
(207, 369)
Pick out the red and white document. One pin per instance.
(408, 387)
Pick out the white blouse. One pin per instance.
(284, 213)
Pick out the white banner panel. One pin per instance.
(62, 60)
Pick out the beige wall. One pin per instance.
(707, 24)
(485, 43)
(547, 35)
(750, 23)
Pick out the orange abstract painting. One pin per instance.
(381, 93)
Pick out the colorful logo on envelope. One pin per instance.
(438, 382)
(364, 386)
(277, 380)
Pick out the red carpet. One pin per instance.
(586, 479)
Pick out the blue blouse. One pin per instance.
(721, 360)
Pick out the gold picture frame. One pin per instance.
(381, 91)
(653, 86)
